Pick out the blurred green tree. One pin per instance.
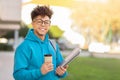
(22, 32)
(55, 32)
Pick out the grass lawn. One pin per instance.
(88, 68)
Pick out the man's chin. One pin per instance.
(41, 34)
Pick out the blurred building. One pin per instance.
(10, 16)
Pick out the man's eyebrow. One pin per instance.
(42, 20)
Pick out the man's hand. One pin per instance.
(61, 70)
(46, 67)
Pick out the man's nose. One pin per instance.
(43, 24)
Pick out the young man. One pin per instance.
(29, 63)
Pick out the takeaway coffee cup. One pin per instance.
(48, 58)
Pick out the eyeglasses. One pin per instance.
(40, 22)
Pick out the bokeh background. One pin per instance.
(93, 25)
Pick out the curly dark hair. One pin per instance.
(42, 11)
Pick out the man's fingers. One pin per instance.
(59, 71)
(47, 67)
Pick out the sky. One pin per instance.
(61, 17)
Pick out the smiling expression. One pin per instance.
(41, 25)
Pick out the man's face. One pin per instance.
(41, 25)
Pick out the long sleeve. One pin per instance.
(59, 61)
(21, 63)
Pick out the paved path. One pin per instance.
(6, 65)
(6, 62)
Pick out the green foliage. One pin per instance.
(30, 26)
(55, 32)
(87, 68)
(9, 34)
(109, 35)
(22, 33)
(5, 47)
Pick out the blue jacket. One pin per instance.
(29, 57)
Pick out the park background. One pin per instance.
(93, 25)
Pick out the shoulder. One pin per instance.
(23, 50)
(24, 45)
